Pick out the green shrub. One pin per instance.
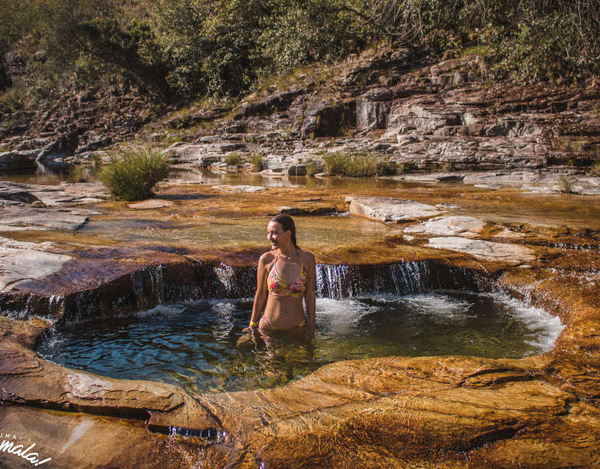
(233, 159)
(565, 185)
(134, 175)
(595, 169)
(312, 167)
(387, 168)
(357, 164)
(78, 173)
(335, 163)
(256, 158)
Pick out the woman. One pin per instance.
(285, 276)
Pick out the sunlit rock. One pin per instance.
(242, 189)
(467, 227)
(24, 261)
(391, 210)
(150, 204)
(486, 250)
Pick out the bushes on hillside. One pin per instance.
(134, 175)
(190, 48)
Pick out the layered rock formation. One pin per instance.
(450, 412)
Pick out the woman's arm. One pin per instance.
(260, 298)
(310, 295)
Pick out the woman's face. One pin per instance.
(276, 235)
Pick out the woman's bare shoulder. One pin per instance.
(266, 257)
(307, 257)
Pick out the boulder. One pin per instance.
(467, 227)
(512, 254)
(19, 161)
(391, 210)
(297, 170)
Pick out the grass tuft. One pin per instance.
(134, 175)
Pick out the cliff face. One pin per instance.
(421, 115)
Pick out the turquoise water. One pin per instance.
(201, 346)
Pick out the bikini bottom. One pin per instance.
(272, 327)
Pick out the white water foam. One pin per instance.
(161, 310)
(442, 308)
(339, 316)
(546, 326)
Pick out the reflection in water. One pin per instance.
(202, 346)
(316, 231)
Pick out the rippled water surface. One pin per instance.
(201, 346)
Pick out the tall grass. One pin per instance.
(134, 175)
(356, 165)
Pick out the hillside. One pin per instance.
(433, 87)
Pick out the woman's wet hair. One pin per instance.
(287, 223)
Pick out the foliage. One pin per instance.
(257, 160)
(134, 175)
(233, 159)
(565, 184)
(78, 173)
(312, 167)
(527, 39)
(357, 165)
(193, 48)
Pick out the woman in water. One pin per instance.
(285, 276)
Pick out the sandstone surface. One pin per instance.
(466, 227)
(24, 261)
(391, 210)
(486, 250)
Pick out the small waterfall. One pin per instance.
(341, 281)
(24, 305)
(151, 286)
(233, 282)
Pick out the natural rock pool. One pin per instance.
(201, 345)
(415, 362)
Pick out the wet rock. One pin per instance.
(391, 210)
(24, 261)
(467, 227)
(308, 210)
(486, 250)
(19, 161)
(81, 440)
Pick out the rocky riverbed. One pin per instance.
(67, 255)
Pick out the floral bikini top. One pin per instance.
(277, 286)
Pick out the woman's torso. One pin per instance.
(286, 283)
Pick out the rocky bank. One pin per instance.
(422, 116)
